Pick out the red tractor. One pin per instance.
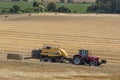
(84, 58)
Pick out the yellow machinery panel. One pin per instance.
(52, 51)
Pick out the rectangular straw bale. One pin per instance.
(14, 56)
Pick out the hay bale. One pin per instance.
(6, 16)
(29, 14)
(14, 56)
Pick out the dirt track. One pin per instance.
(99, 33)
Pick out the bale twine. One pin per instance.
(14, 56)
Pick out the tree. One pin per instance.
(38, 7)
(64, 9)
(15, 9)
(51, 7)
(106, 6)
(35, 4)
(29, 10)
(3, 11)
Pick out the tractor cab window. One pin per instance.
(83, 53)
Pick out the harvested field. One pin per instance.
(100, 33)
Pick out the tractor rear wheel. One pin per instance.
(93, 63)
(77, 60)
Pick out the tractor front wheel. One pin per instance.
(93, 63)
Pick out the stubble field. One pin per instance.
(100, 33)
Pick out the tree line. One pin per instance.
(62, 1)
(100, 6)
(105, 6)
(38, 7)
(69, 1)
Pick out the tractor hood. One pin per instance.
(93, 58)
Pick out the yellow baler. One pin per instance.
(53, 53)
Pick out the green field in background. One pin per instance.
(23, 5)
(75, 7)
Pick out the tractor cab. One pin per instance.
(84, 53)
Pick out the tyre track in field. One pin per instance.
(15, 35)
(59, 37)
